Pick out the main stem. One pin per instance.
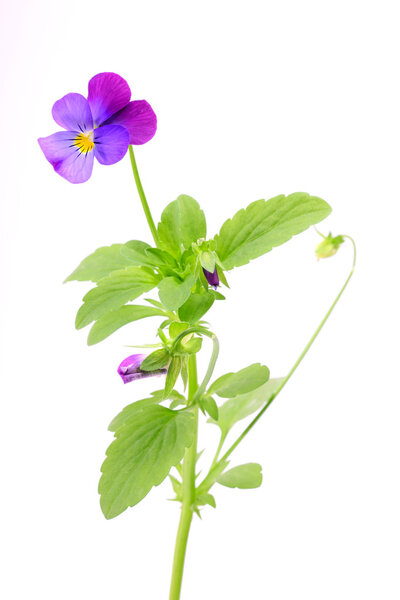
(142, 196)
(188, 486)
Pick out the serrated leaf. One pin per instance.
(136, 252)
(112, 321)
(161, 258)
(156, 360)
(174, 292)
(182, 222)
(245, 380)
(195, 307)
(146, 447)
(265, 224)
(129, 412)
(240, 407)
(114, 291)
(245, 477)
(101, 263)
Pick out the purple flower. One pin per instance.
(102, 126)
(129, 369)
(212, 278)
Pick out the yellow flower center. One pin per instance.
(85, 142)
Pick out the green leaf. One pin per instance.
(172, 375)
(176, 328)
(195, 307)
(161, 258)
(204, 499)
(156, 360)
(147, 445)
(112, 321)
(174, 395)
(101, 263)
(210, 406)
(136, 252)
(242, 406)
(173, 292)
(207, 261)
(182, 222)
(245, 477)
(246, 380)
(177, 487)
(129, 411)
(185, 371)
(190, 346)
(155, 303)
(265, 224)
(114, 291)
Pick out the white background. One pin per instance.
(253, 99)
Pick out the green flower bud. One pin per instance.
(329, 246)
(207, 261)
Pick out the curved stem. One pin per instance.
(209, 480)
(189, 490)
(142, 196)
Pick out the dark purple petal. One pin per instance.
(108, 93)
(129, 369)
(212, 278)
(73, 112)
(111, 143)
(139, 119)
(61, 151)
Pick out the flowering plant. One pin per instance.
(156, 437)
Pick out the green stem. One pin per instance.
(189, 490)
(209, 480)
(143, 197)
(211, 365)
(210, 369)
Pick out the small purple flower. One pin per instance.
(129, 369)
(212, 278)
(102, 126)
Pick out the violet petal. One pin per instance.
(108, 93)
(111, 143)
(212, 278)
(72, 112)
(129, 369)
(139, 119)
(66, 158)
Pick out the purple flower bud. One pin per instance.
(212, 278)
(129, 369)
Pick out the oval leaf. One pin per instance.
(242, 406)
(245, 380)
(245, 477)
(195, 307)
